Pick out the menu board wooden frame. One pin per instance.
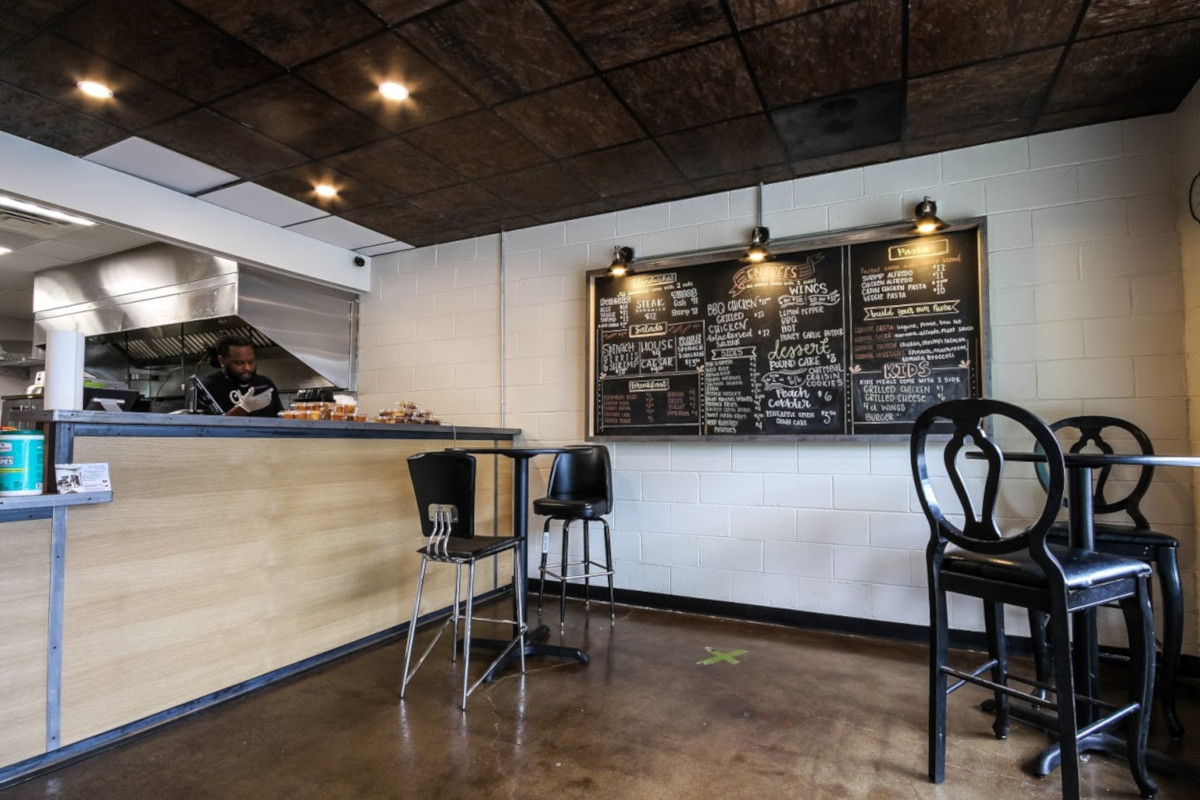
(846, 335)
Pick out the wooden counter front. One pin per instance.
(222, 559)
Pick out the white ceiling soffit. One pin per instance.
(340, 232)
(155, 163)
(263, 204)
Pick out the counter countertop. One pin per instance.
(200, 424)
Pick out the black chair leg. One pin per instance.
(562, 586)
(1167, 566)
(608, 566)
(542, 568)
(1139, 621)
(1068, 722)
(587, 566)
(938, 645)
(1041, 649)
(998, 652)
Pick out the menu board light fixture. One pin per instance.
(927, 220)
(757, 252)
(622, 256)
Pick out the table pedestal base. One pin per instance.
(535, 647)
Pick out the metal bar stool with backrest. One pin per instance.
(1020, 569)
(444, 485)
(580, 488)
(1096, 433)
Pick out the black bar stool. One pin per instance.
(580, 489)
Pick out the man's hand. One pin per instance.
(252, 401)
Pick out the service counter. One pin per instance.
(230, 553)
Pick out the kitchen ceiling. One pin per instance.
(530, 111)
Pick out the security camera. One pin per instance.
(359, 261)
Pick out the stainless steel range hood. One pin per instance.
(160, 304)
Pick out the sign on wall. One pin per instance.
(835, 338)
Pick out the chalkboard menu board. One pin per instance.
(833, 339)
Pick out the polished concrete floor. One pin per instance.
(802, 714)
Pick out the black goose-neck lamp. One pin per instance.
(622, 257)
(927, 220)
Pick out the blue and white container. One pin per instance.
(22, 462)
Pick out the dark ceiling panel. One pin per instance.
(393, 11)
(751, 13)
(866, 118)
(399, 219)
(573, 119)
(396, 164)
(465, 204)
(353, 75)
(51, 66)
(39, 11)
(625, 169)
(966, 138)
(497, 51)
(539, 188)
(848, 159)
(1159, 62)
(983, 94)
(299, 183)
(698, 86)
(216, 139)
(574, 212)
(750, 177)
(168, 50)
(826, 53)
(950, 33)
(623, 31)
(39, 120)
(1113, 16)
(13, 29)
(298, 115)
(290, 32)
(477, 145)
(731, 146)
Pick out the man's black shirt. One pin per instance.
(227, 393)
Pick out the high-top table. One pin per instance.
(1080, 469)
(534, 639)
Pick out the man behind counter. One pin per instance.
(237, 388)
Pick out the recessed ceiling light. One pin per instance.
(393, 91)
(4, 250)
(42, 211)
(325, 190)
(93, 89)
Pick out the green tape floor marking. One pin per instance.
(720, 655)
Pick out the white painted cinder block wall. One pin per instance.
(1087, 315)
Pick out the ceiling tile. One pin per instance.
(463, 205)
(625, 169)
(771, 173)
(394, 246)
(966, 138)
(292, 112)
(829, 52)
(694, 87)
(850, 158)
(497, 56)
(508, 224)
(290, 31)
(572, 119)
(1092, 115)
(477, 145)
(50, 67)
(950, 33)
(13, 28)
(539, 188)
(982, 94)
(157, 164)
(397, 165)
(299, 183)
(218, 140)
(354, 74)
(1162, 62)
(339, 232)
(751, 13)
(623, 31)
(393, 11)
(263, 204)
(399, 219)
(851, 121)
(442, 236)
(47, 123)
(1113, 16)
(573, 212)
(172, 51)
(731, 146)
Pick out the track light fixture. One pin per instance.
(622, 256)
(927, 219)
(757, 251)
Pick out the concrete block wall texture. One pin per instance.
(1087, 315)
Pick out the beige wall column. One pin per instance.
(1187, 166)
